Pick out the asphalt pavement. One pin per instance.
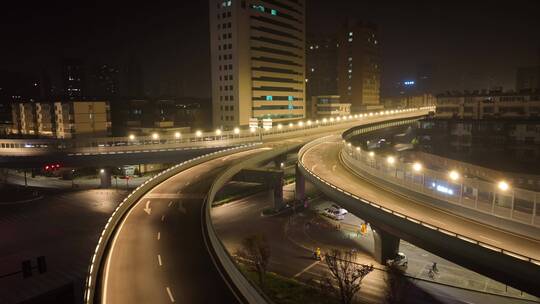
(158, 254)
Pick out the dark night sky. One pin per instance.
(471, 45)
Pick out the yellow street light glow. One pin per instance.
(155, 136)
(324, 120)
(102, 171)
(355, 115)
(218, 132)
(454, 175)
(391, 160)
(198, 133)
(349, 144)
(300, 123)
(131, 137)
(331, 119)
(317, 121)
(338, 118)
(252, 129)
(309, 122)
(417, 167)
(177, 135)
(371, 154)
(503, 185)
(279, 126)
(357, 148)
(291, 125)
(370, 113)
(236, 130)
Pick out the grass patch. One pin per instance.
(284, 290)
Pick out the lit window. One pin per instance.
(291, 98)
(269, 98)
(273, 12)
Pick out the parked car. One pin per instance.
(400, 260)
(339, 209)
(333, 214)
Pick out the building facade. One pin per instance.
(359, 71)
(258, 61)
(321, 64)
(528, 79)
(330, 105)
(407, 101)
(482, 105)
(62, 119)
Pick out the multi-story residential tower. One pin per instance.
(258, 60)
(359, 71)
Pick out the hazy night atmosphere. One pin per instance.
(270, 151)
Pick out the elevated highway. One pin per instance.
(159, 243)
(503, 255)
(20, 153)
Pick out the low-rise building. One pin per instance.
(407, 101)
(62, 119)
(481, 105)
(330, 105)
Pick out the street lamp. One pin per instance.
(291, 125)
(280, 126)
(218, 132)
(503, 185)
(371, 154)
(155, 136)
(131, 137)
(198, 133)
(237, 130)
(417, 167)
(454, 175)
(177, 135)
(300, 123)
(102, 171)
(252, 129)
(324, 120)
(391, 160)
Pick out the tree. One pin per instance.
(347, 275)
(397, 285)
(255, 248)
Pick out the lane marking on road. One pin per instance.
(158, 236)
(147, 209)
(163, 218)
(181, 207)
(170, 294)
(170, 203)
(159, 260)
(306, 269)
(485, 237)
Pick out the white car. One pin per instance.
(339, 209)
(333, 214)
(400, 260)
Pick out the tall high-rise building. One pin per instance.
(258, 60)
(321, 67)
(359, 71)
(73, 78)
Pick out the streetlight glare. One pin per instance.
(391, 160)
(218, 132)
(371, 153)
(454, 175)
(177, 135)
(503, 185)
(279, 126)
(198, 133)
(417, 167)
(252, 130)
(236, 130)
(155, 136)
(131, 137)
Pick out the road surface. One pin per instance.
(158, 254)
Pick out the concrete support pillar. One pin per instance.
(300, 186)
(278, 195)
(105, 177)
(386, 245)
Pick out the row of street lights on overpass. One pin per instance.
(453, 175)
(300, 124)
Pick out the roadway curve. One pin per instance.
(323, 159)
(157, 254)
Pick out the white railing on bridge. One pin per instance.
(217, 138)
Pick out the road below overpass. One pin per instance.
(323, 160)
(158, 254)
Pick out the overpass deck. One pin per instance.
(322, 160)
